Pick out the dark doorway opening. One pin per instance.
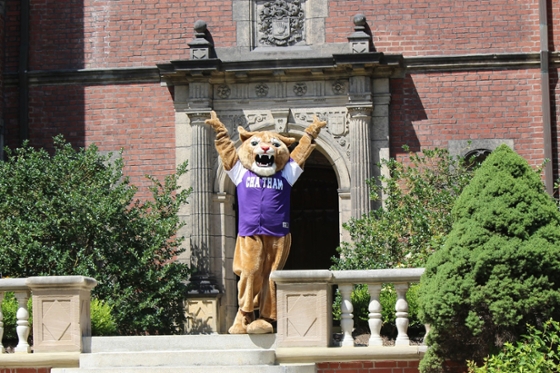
(314, 216)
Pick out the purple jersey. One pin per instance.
(264, 202)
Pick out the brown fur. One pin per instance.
(257, 256)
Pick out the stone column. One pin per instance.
(360, 158)
(380, 128)
(201, 181)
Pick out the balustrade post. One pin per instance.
(375, 320)
(402, 314)
(427, 327)
(346, 318)
(2, 350)
(22, 328)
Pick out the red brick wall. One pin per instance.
(427, 110)
(138, 118)
(424, 27)
(369, 367)
(93, 34)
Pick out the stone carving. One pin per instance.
(281, 23)
(300, 89)
(223, 91)
(337, 126)
(261, 90)
(339, 88)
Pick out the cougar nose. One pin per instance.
(265, 147)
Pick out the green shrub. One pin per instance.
(536, 352)
(73, 213)
(416, 214)
(499, 269)
(102, 321)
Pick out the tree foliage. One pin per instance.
(499, 269)
(74, 213)
(417, 197)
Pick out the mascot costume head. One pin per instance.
(263, 171)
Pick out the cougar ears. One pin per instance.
(286, 140)
(244, 135)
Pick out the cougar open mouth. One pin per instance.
(264, 160)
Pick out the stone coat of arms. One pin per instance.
(281, 23)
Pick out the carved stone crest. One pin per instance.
(281, 23)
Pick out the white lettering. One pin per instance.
(267, 182)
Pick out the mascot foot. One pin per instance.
(242, 321)
(260, 326)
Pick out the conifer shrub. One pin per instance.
(102, 320)
(499, 269)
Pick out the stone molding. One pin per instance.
(101, 76)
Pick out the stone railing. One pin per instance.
(305, 306)
(61, 312)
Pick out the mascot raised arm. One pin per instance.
(263, 171)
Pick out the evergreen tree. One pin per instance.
(499, 269)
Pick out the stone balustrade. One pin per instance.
(305, 305)
(61, 312)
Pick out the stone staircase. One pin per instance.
(182, 354)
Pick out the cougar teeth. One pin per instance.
(264, 160)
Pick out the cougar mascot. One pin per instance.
(264, 171)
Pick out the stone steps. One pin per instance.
(296, 368)
(187, 353)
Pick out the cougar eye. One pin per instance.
(254, 143)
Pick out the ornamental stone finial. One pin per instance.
(200, 27)
(359, 40)
(201, 46)
(359, 21)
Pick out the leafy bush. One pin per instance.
(73, 213)
(416, 214)
(536, 352)
(499, 269)
(102, 320)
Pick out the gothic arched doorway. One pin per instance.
(314, 216)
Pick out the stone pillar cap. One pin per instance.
(298, 276)
(61, 281)
(13, 284)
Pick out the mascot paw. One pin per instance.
(315, 127)
(242, 321)
(260, 326)
(214, 122)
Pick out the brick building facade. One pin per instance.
(130, 74)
